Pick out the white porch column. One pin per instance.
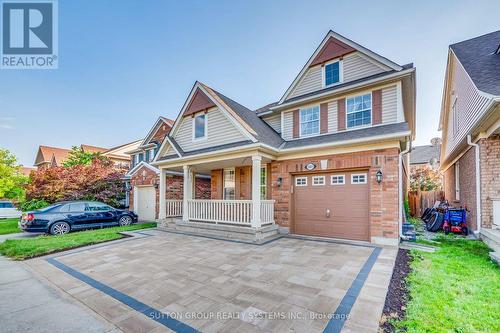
(162, 198)
(256, 165)
(188, 191)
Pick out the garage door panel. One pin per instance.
(347, 204)
(146, 203)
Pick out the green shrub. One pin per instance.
(33, 204)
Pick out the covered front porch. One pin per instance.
(240, 198)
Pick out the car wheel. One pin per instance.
(125, 220)
(60, 228)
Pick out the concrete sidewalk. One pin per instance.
(29, 304)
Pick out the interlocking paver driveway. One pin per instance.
(219, 286)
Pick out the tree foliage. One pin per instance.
(77, 156)
(97, 181)
(425, 179)
(12, 181)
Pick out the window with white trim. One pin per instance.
(457, 181)
(332, 73)
(200, 127)
(358, 178)
(263, 182)
(337, 180)
(301, 181)
(359, 110)
(229, 184)
(309, 121)
(318, 180)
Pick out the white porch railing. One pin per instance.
(174, 208)
(267, 211)
(236, 212)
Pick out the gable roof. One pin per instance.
(93, 149)
(48, 154)
(155, 128)
(480, 58)
(424, 154)
(199, 102)
(332, 44)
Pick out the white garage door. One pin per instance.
(146, 203)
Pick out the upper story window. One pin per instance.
(309, 121)
(147, 156)
(332, 73)
(200, 127)
(141, 157)
(359, 110)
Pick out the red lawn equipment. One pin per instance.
(455, 220)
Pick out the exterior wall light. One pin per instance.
(279, 181)
(378, 175)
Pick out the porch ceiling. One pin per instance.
(221, 164)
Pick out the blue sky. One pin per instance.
(124, 63)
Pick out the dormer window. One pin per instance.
(200, 127)
(309, 121)
(332, 73)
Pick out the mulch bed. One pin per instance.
(397, 295)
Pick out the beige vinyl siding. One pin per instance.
(357, 67)
(311, 81)
(389, 105)
(170, 151)
(220, 131)
(287, 126)
(274, 121)
(332, 117)
(470, 103)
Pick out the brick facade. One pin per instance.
(467, 186)
(490, 177)
(384, 203)
(174, 189)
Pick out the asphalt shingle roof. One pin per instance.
(348, 135)
(480, 60)
(423, 154)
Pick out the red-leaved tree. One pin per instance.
(97, 181)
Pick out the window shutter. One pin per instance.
(377, 107)
(341, 114)
(323, 118)
(296, 124)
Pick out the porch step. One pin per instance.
(229, 232)
(492, 238)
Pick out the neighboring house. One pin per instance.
(52, 156)
(27, 170)
(425, 157)
(143, 178)
(470, 124)
(328, 159)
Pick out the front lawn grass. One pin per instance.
(455, 289)
(9, 226)
(20, 249)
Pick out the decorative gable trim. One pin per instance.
(349, 43)
(332, 49)
(199, 102)
(154, 129)
(139, 166)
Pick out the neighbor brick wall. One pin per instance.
(490, 177)
(384, 203)
(467, 180)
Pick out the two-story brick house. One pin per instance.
(327, 159)
(470, 124)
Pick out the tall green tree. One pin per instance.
(78, 156)
(12, 181)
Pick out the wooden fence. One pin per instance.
(421, 200)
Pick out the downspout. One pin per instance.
(400, 187)
(478, 183)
